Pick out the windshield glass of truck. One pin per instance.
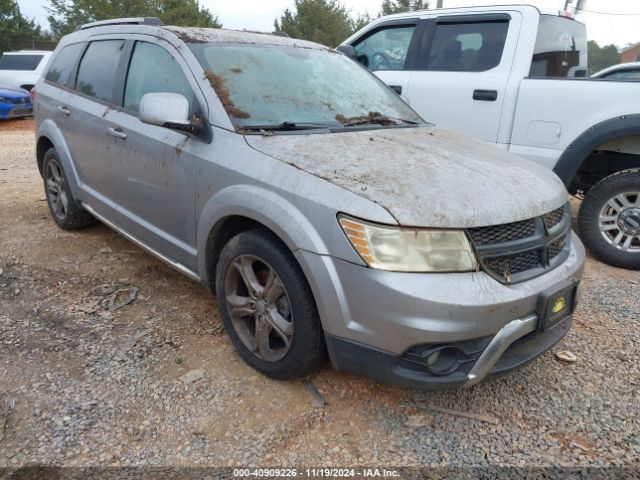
(561, 47)
(20, 62)
(268, 85)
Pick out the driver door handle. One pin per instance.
(116, 132)
(64, 110)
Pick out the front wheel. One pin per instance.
(267, 306)
(609, 219)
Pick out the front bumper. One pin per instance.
(373, 319)
(20, 111)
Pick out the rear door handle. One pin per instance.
(396, 88)
(116, 132)
(485, 95)
(64, 110)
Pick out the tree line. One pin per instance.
(324, 21)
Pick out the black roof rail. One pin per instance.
(154, 21)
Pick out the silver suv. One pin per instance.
(318, 206)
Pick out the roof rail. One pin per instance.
(155, 21)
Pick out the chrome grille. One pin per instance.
(519, 251)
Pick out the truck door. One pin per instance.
(388, 51)
(462, 72)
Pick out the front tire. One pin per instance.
(609, 219)
(267, 306)
(64, 209)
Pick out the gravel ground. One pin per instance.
(84, 385)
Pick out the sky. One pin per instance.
(621, 28)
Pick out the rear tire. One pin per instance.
(64, 209)
(609, 219)
(267, 306)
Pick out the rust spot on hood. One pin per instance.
(217, 83)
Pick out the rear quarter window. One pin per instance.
(20, 62)
(63, 64)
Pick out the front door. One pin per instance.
(386, 51)
(156, 165)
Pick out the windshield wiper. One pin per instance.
(286, 126)
(373, 118)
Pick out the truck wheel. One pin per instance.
(267, 306)
(609, 219)
(64, 209)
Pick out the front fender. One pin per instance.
(50, 130)
(263, 206)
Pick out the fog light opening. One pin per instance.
(443, 361)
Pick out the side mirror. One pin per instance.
(577, 72)
(165, 110)
(348, 51)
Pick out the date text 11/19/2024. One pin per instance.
(315, 473)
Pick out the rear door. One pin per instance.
(86, 129)
(388, 50)
(462, 71)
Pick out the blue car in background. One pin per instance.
(15, 103)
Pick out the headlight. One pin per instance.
(410, 249)
(3, 100)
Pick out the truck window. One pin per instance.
(63, 63)
(560, 46)
(467, 47)
(20, 62)
(386, 48)
(153, 69)
(98, 69)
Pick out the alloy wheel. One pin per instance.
(259, 308)
(619, 221)
(56, 189)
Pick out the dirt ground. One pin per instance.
(82, 385)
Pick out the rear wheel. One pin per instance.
(267, 306)
(609, 219)
(63, 207)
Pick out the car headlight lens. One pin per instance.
(410, 249)
(3, 100)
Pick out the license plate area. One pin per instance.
(556, 303)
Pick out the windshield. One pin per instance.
(267, 85)
(561, 47)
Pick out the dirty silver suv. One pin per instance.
(323, 212)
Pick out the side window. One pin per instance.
(62, 66)
(467, 47)
(386, 49)
(153, 69)
(98, 69)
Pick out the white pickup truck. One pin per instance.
(510, 75)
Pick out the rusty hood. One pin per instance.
(425, 176)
